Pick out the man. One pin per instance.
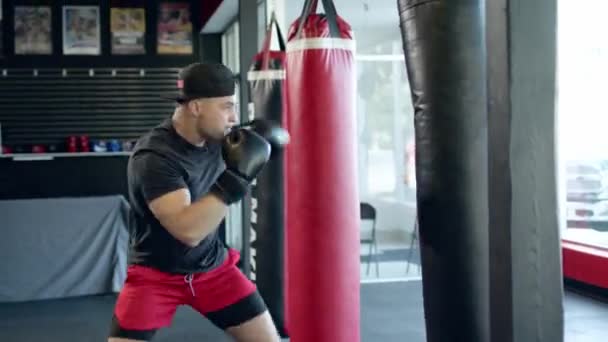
(182, 177)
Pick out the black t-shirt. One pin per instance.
(163, 161)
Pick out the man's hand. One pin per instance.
(245, 154)
(277, 136)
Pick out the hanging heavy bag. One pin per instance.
(443, 43)
(266, 78)
(321, 168)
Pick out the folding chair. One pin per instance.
(368, 212)
(413, 245)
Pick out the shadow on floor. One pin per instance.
(390, 312)
(397, 254)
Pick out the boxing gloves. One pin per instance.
(246, 149)
(245, 153)
(273, 133)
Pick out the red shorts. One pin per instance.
(149, 298)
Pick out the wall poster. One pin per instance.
(128, 28)
(174, 29)
(81, 30)
(33, 30)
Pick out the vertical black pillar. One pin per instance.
(525, 274)
(444, 46)
(248, 47)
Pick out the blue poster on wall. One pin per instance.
(81, 34)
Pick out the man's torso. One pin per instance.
(150, 243)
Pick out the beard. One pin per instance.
(212, 135)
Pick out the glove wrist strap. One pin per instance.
(230, 187)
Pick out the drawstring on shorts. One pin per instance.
(188, 279)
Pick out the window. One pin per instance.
(230, 47)
(386, 126)
(581, 112)
(262, 23)
(386, 152)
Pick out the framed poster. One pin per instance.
(128, 29)
(33, 30)
(81, 30)
(174, 28)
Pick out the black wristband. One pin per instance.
(230, 187)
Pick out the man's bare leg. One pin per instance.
(258, 329)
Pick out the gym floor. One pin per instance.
(390, 311)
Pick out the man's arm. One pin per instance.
(245, 153)
(188, 222)
(169, 200)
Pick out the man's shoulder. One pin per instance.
(156, 142)
(157, 137)
(152, 150)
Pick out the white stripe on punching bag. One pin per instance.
(321, 43)
(266, 75)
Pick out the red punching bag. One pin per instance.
(321, 170)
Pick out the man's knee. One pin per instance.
(120, 334)
(118, 339)
(258, 329)
(237, 313)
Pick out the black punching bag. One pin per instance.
(266, 79)
(443, 42)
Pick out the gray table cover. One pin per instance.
(62, 247)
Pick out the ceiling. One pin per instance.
(374, 22)
(223, 15)
(362, 15)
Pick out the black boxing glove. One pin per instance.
(245, 154)
(272, 132)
